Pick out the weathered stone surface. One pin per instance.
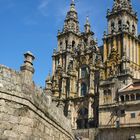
(27, 112)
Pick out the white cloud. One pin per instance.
(43, 7)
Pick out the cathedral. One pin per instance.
(99, 86)
(93, 92)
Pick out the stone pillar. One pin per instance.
(91, 89)
(54, 67)
(105, 51)
(137, 53)
(119, 46)
(109, 47)
(134, 45)
(124, 44)
(131, 46)
(79, 86)
(90, 109)
(115, 43)
(27, 68)
(133, 51)
(127, 46)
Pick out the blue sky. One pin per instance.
(32, 25)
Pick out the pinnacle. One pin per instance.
(72, 2)
(72, 7)
(87, 20)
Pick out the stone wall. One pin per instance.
(27, 112)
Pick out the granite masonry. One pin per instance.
(27, 112)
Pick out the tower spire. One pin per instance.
(71, 21)
(87, 25)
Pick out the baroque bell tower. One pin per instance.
(121, 50)
(74, 80)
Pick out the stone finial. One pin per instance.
(87, 21)
(48, 83)
(72, 7)
(27, 68)
(87, 25)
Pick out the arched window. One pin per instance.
(61, 43)
(133, 29)
(109, 92)
(132, 97)
(84, 79)
(119, 25)
(82, 120)
(73, 44)
(138, 96)
(128, 26)
(127, 97)
(112, 27)
(66, 44)
(83, 89)
(122, 98)
(84, 72)
(105, 93)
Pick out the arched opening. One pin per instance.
(66, 42)
(67, 88)
(84, 72)
(132, 97)
(128, 26)
(112, 27)
(122, 98)
(119, 25)
(73, 44)
(133, 29)
(138, 96)
(82, 120)
(109, 92)
(105, 93)
(61, 44)
(127, 97)
(83, 89)
(84, 80)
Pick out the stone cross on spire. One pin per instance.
(72, 7)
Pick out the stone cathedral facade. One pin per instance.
(93, 93)
(75, 65)
(95, 82)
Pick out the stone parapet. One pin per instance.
(25, 105)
